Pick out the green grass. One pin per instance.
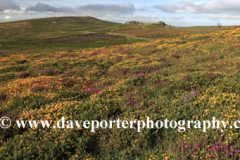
(97, 42)
(18, 39)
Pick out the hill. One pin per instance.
(51, 27)
(57, 34)
(44, 28)
(161, 24)
(134, 23)
(158, 24)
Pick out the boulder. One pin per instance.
(134, 23)
(161, 24)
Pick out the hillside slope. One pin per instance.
(48, 27)
(192, 77)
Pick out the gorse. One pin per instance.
(191, 77)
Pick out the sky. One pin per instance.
(174, 12)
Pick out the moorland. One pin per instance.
(83, 68)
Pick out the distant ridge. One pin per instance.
(56, 26)
(178, 26)
(161, 24)
(158, 24)
(134, 23)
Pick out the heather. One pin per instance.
(187, 77)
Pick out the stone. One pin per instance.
(162, 24)
(134, 23)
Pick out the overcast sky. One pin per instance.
(174, 12)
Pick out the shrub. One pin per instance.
(24, 74)
(18, 68)
(21, 61)
(48, 72)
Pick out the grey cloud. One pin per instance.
(144, 9)
(124, 8)
(222, 16)
(41, 7)
(8, 4)
(187, 2)
(98, 9)
(170, 8)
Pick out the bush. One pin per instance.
(18, 68)
(48, 72)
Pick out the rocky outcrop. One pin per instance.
(161, 24)
(134, 23)
(158, 24)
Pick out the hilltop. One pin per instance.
(162, 24)
(51, 27)
(158, 24)
(134, 23)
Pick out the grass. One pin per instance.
(50, 27)
(191, 77)
(85, 41)
(204, 29)
(145, 31)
